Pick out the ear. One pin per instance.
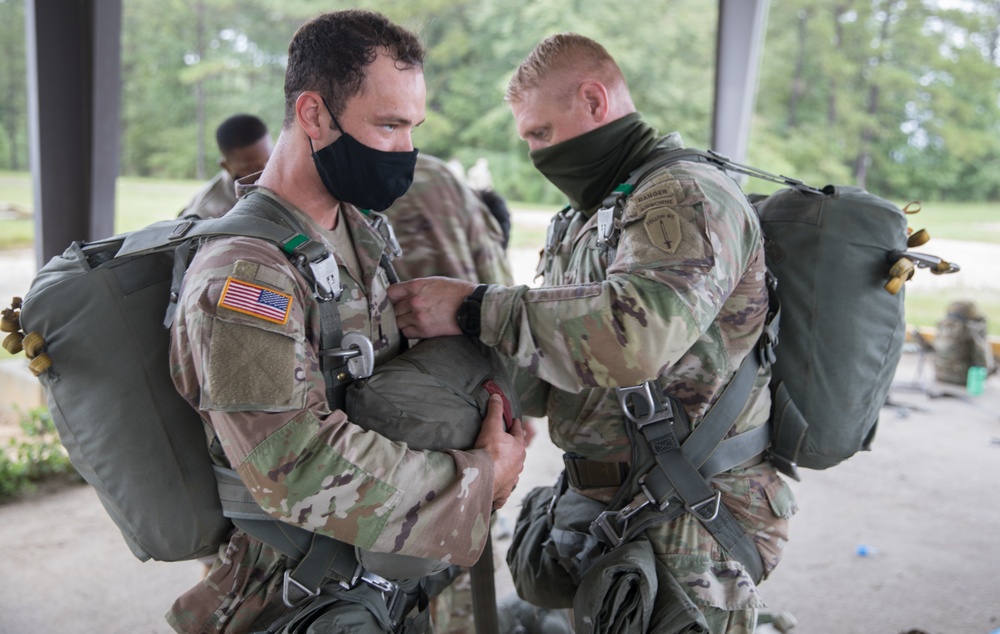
(594, 96)
(224, 164)
(311, 114)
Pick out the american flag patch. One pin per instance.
(257, 301)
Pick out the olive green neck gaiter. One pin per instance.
(588, 167)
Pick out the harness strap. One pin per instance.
(676, 476)
(697, 496)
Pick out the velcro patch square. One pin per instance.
(256, 301)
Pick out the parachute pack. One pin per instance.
(961, 342)
(840, 256)
(97, 341)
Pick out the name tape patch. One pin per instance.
(256, 301)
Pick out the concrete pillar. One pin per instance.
(74, 94)
(738, 47)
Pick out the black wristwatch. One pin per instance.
(468, 313)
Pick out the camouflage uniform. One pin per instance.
(214, 199)
(445, 229)
(257, 383)
(684, 300)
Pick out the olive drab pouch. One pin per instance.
(538, 577)
(629, 590)
(94, 319)
(840, 256)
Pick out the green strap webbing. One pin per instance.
(698, 497)
(484, 596)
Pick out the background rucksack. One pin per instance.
(961, 342)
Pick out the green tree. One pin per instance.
(13, 87)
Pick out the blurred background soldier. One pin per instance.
(445, 228)
(245, 145)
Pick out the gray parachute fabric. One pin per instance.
(842, 332)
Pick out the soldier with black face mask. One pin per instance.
(245, 352)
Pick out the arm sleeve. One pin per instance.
(683, 247)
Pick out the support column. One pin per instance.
(74, 95)
(738, 47)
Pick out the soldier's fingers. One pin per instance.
(399, 291)
(494, 412)
(517, 430)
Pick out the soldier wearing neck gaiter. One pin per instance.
(679, 302)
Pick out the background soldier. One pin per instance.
(444, 228)
(354, 91)
(245, 145)
(678, 303)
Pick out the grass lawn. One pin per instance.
(141, 201)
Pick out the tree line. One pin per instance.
(901, 97)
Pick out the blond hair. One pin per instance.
(567, 58)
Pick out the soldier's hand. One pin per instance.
(426, 307)
(506, 448)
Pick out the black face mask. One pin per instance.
(360, 175)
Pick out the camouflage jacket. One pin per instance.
(444, 229)
(683, 301)
(252, 372)
(214, 199)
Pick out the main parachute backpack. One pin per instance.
(839, 256)
(97, 341)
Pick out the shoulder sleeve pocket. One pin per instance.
(252, 368)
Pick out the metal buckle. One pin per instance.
(605, 225)
(785, 466)
(326, 275)
(357, 349)
(715, 501)
(385, 587)
(603, 529)
(556, 232)
(384, 229)
(646, 394)
(181, 230)
(290, 582)
(616, 534)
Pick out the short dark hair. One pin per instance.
(329, 54)
(239, 131)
